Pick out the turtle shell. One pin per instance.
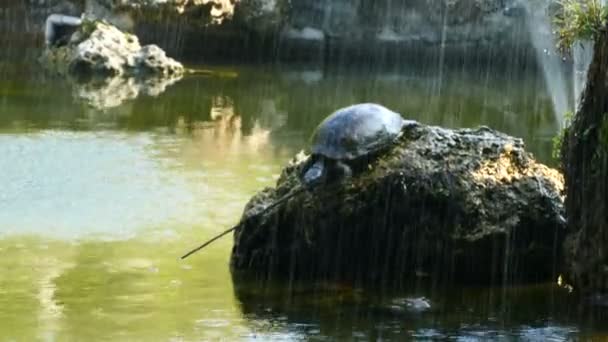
(356, 131)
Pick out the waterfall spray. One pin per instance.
(539, 25)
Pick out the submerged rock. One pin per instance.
(410, 304)
(455, 205)
(100, 49)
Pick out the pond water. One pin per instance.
(99, 199)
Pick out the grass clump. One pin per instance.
(558, 140)
(579, 20)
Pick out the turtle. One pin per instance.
(351, 134)
(348, 136)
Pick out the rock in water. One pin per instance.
(100, 49)
(458, 205)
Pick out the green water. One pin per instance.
(97, 205)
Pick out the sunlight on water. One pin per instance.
(71, 184)
(93, 224)
(550, 59)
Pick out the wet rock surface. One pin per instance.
(430, 21)
(466, 205)
(100, 49)
(585, 164)
(319, 31)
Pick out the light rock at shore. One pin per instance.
(100, 49)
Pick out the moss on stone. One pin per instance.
(88, 27)
(579, 20)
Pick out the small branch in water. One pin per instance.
(291, 194)
(217, 237)
(212, 73)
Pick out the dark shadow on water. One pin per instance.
(328, 311)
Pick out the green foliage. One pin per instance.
(558, 140)
(88, 26)
(579, 20)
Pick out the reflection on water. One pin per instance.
(96, 206)
(534, 313)
(73, 184)
(112, 92)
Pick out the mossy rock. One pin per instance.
(466, 205)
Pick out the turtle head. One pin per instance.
(409, 123)
(314, 174)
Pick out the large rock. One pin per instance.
(430, 21)
(469, 205)
(396, 32)
(585, 163)
(100, 49)
(202, 12)
(344, 30)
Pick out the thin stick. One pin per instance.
(217, 237)
(294, 192)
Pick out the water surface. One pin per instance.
(99, 199)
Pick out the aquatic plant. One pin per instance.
(579, 20)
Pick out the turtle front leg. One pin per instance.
(314, 174)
